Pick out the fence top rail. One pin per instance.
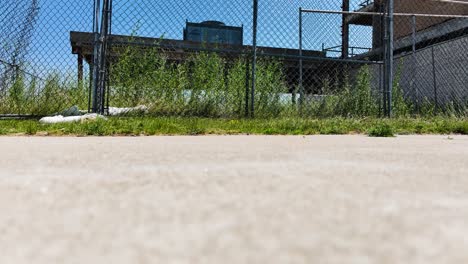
(319, 11)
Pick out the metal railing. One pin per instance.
(353, 51)
(366, 3)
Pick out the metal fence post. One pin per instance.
(101, 30)
(381, 87)
(108, 90)
(301, 71)
(389, 60)
(345, 30)
(413, 58)
(91, 86)
(254, 57)
(104, 63)
(95, 85)
(434, 79)
(102, 57)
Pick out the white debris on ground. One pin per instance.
(70, 119)
(116, 111)
(73, 114)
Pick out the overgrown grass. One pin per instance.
(208, 85)
(33, 96)
(219, 126)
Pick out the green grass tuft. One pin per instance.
(136, 126)
(381, 130)
(461, 128)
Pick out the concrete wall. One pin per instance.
(444, 78)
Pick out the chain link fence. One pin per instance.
(430, 61)
(232, 59)
(38, 73)
(346, 80)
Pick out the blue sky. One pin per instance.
(278, 23)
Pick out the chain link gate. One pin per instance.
(346, 74)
